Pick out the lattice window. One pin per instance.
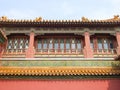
(105, 43)
(39, 44)
(100, 46)
(73, 46)
(67, 43)
(45, 41)
(60, 45)
(92, 44)
(26, 41)
(17, 43)
(56, 43)
(50, 44)
(9, 44)
(111, 44)
(79, 44)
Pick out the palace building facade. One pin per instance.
(60, 54)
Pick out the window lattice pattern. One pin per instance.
(17, 43)
(60, 45)
(104, 45)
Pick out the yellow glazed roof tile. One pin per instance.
(116, 18)
(58, 71)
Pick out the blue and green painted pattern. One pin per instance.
(59, 63)
(2, 38)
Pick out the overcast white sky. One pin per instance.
(59, 9)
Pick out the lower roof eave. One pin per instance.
(59, 71)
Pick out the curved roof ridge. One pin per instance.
(39, 19)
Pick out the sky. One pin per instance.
(59, 9)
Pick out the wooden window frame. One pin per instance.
(59, 38)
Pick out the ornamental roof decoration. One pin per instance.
(3, 18)
(116, 18)
(38, 19)
(84, 19)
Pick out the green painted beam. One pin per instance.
(59, 63)
(2, 38)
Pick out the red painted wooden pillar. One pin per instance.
(88, 52)
(2, 47)
(31, 51)
(118, 42)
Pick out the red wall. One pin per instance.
(113, 84)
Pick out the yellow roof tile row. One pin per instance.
(116, 18)
(58, 71)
